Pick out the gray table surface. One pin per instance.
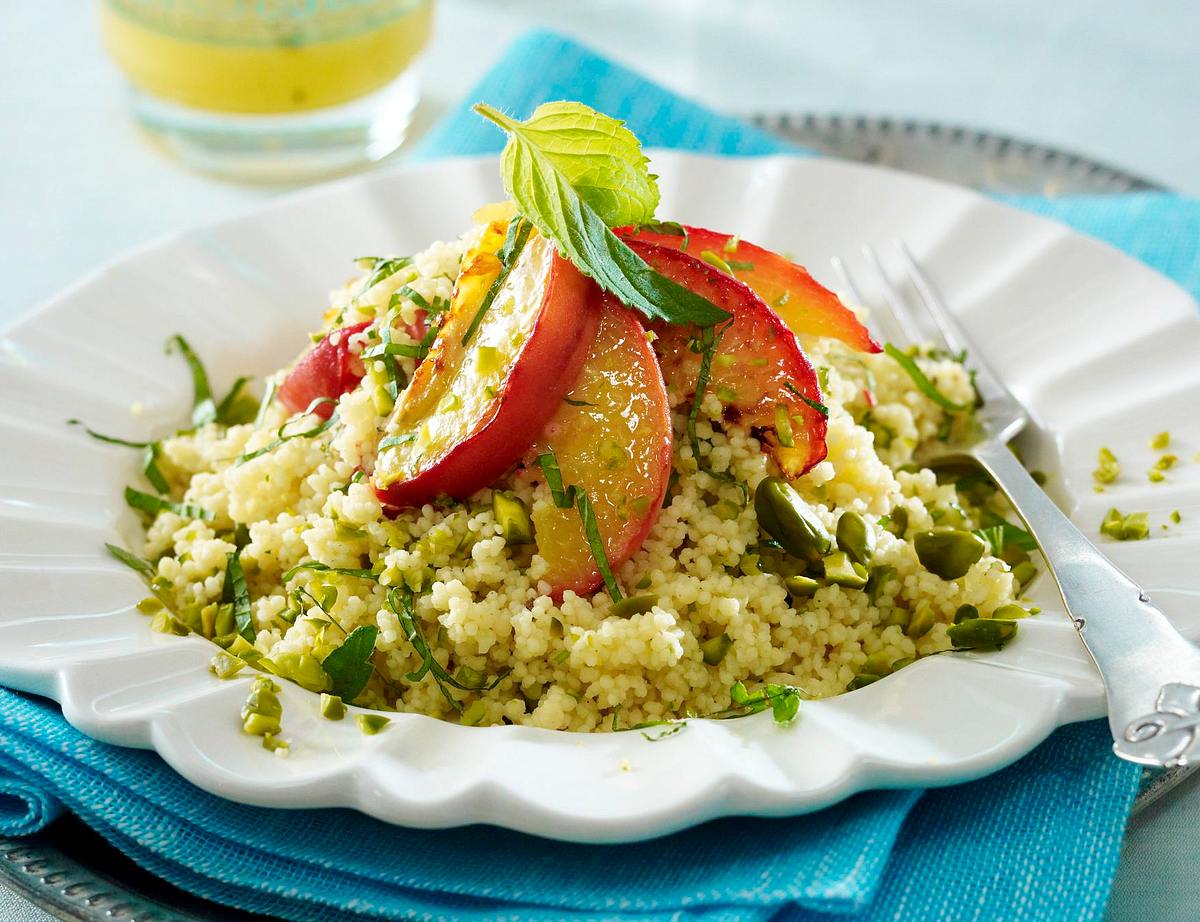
(78, 186)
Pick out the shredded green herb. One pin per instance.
(265, 404)
(924, 385)
(152, 505)
(235, 592)
(393, 441)
(815, 404)
(402, 602)
(591, 528)
(567, 496)
(577, 403)
(203, 409)
(151, 452)
(515, 239)
(668, 228)
(281, 437)
(319, 567)
(396, 379)
(564, 497)
(133, 561)
(381, 268)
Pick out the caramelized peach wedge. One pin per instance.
(511, 345)
(803, 303)
(611, 438)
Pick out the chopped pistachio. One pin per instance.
(862, 680)
(150, 606)
(332, 707)
(1166, 462)
(166, 623)
(1155, 476)
(512, 517)
(726, 511)
(1132, 527)
(633, 605)
(225, 666)
(1108, 468)
(965, 613)
(842, 571)
(473, 713)
(799, 587)
(921, 622)
(1010, 612)
(1024, 572)
(714, 649)
(1176, 517)
(878, 663)
(370, 724)
(1160, 441)
(260, 724)
(272, 743)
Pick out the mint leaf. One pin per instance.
(562, 165)
(349, 666)
(598, 156)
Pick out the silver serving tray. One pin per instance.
(71, 873)
(979, 159)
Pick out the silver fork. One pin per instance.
(1151, 674)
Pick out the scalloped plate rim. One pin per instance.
(721, 793)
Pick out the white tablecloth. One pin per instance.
(1117, 82)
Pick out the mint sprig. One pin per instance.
(575, 173)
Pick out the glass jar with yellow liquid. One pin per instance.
(271, 90)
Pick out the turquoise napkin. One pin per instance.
(1038, 840)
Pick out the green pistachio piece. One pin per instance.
(842, 571)
(370, 724)
(921, 622)
(714, 649)
(800, 587)
(949, 553)
(512, 517)
(982, 633)
(633, 605)
(788, 519)
(332, 707)
(856, 537)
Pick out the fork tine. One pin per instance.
(901, 316)
(952, 331)
(956, 340)
(883, 325)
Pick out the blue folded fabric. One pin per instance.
(1039, 840)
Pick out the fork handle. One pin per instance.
(1151, 673)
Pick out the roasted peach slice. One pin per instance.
(805, 305)
(758, 371)
(612, 438)
(491, 381)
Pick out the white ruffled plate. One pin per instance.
(1102, 350)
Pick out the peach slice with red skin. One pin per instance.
(612, 438)
(758, 371)
(805, 305)
(473, 408)
(328, 369)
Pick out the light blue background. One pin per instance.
(1105, 78)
